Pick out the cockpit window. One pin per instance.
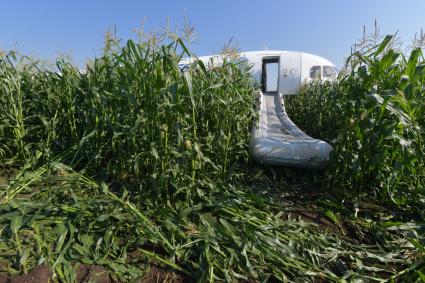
(315, 72)
(328, 71)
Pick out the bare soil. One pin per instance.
(156, 274)
(42, 274)
(38, 274)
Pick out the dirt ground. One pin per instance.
(92, 273)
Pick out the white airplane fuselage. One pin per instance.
(289, 69)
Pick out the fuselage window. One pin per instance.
(315, 72)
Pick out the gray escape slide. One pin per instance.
(278, 141)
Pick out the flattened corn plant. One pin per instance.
(134, 163)
(60, 218)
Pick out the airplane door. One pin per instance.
(289, 73)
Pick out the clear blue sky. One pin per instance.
(328, 28)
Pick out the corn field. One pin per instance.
(374, 118)
(135, 165)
